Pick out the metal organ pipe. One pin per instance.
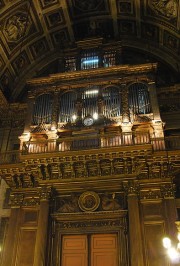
(139, 100)
(42, 109)
(67, 106)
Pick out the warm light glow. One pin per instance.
(166, 242)
(178, 246)
(178, 237)
(74, 117)
(53, 128)
(91, 92)
(173, 254)
(95, 116)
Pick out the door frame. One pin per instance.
(91, 223)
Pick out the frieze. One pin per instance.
(89, 224)
(150, 194)
(31, 201)
(90, 201)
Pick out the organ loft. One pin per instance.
(92, 171)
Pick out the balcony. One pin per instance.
(87, 143)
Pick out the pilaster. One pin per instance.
(136, 248)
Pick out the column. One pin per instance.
(41, 238)
(167, 191)
(79, 107)
(100, 103)
(10, 246)
(154, 101)
(55, 105)
(124, 103)
(135, 237)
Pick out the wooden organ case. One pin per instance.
(93, 186)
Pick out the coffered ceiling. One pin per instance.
(34, 33)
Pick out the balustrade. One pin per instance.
(87, 143)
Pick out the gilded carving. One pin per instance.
(168, 190)
(166, 8)
(110, 202)
(45, 193)
(131, 187)
(150, 194)
(89, 201)
(102, 223)
(17, 26)
(16, 199)
(31, 201)
(69, 204)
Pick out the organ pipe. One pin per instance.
(139, 102)
(42, 112)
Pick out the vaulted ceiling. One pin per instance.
(34, 33)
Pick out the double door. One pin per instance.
(89, 250)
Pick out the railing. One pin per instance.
(87, 143)
(84, 143)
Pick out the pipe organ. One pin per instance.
(90, 98)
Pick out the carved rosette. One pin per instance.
(167, 191)
(89, 201)
(45, 193)
(131, 188)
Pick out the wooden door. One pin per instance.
(75, 250)
(104, 250)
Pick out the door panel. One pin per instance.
(104, 250)
(74, 250)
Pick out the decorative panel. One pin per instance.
(152, 210)
(155, 253)
(48, 3)
(74, 250)
(80, 8)
(26, 246)
(30, 216)
(55, 18)
(21, 62)
(104, 250)
(125, 8)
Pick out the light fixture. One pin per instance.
(74, 117)
(173, 251)
(91, 92)
(95, 116)
(90, 61)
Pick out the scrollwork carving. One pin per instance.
(16, 200)
(131, 187)
(45, 193)
(167, 190)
